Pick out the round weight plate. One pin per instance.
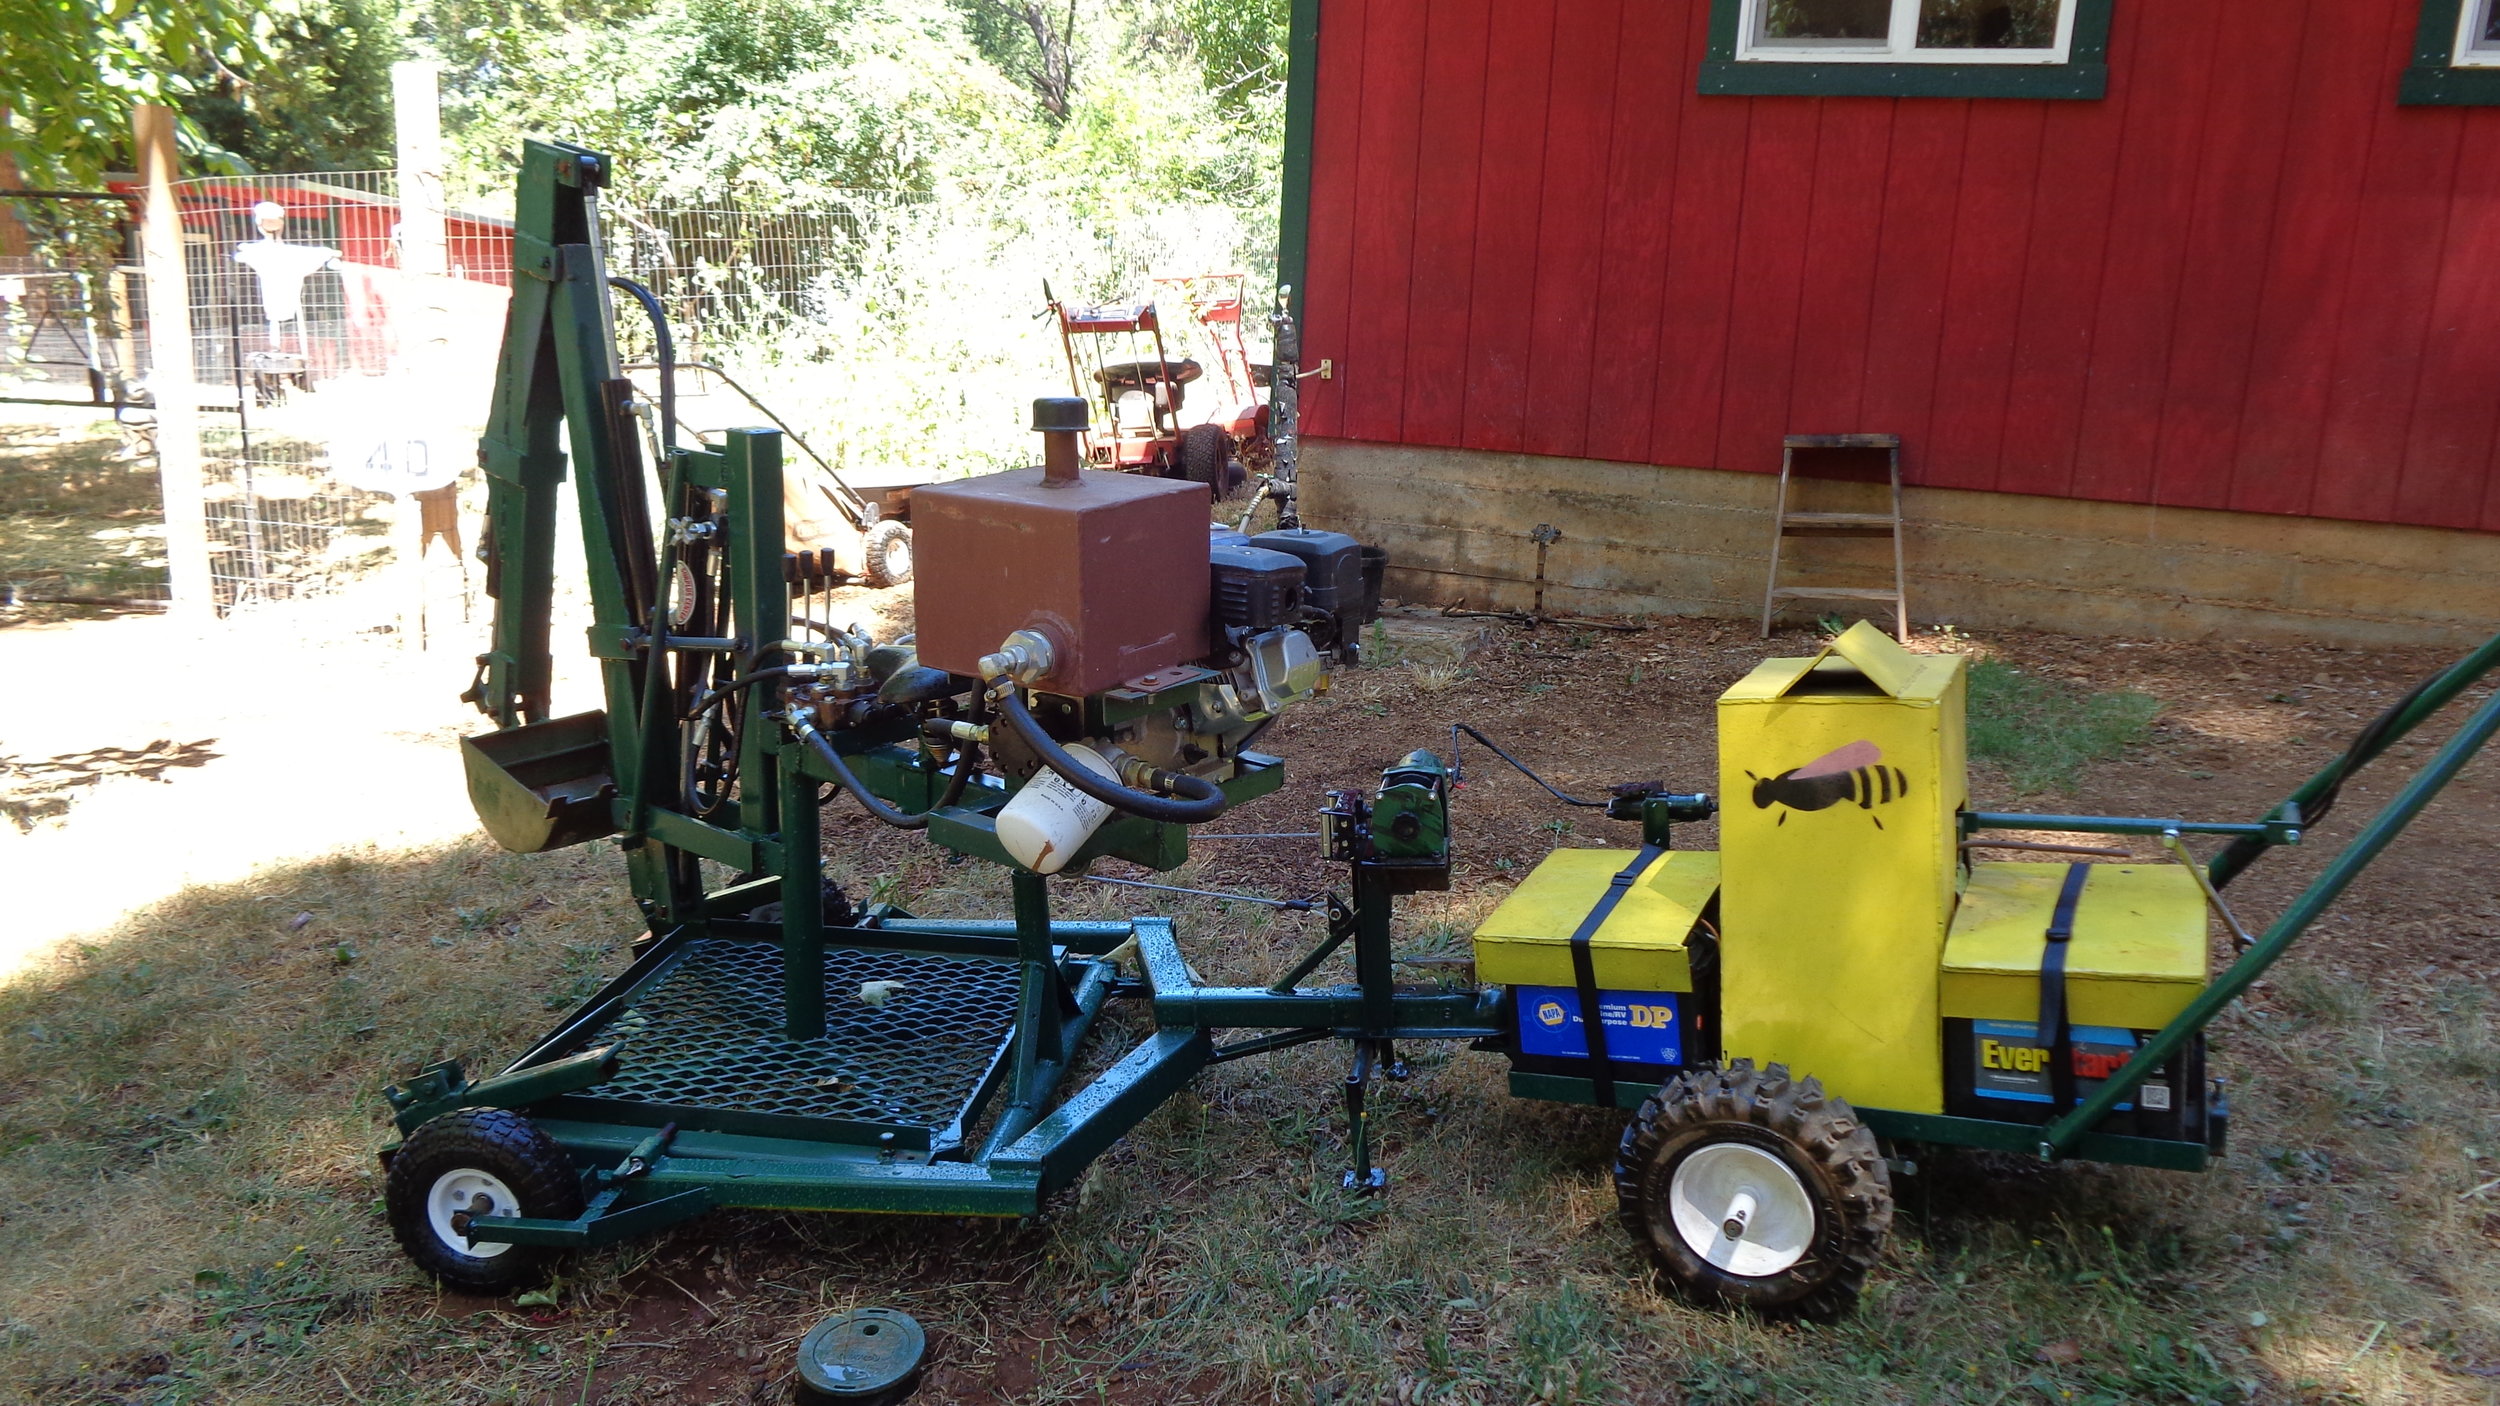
(860, 1355)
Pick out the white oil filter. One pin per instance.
(1046, 823)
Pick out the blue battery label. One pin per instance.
(1641, 1026)
(2010, 1061)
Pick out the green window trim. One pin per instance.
(2434, 80)
(2084, 74)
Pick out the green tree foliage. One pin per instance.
(1031, 39)
(316, 94)
(71, 69)
(700, 94)
(1240, 49)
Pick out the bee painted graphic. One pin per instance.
(1854, 773)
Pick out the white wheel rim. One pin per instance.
(1734, 1185)
(466, 1190)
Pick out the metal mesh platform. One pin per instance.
(707, 1034)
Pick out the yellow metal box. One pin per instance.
(2136, 959)
(1841, 777)
(1641, 945)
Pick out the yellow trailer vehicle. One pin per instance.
(1847, 971)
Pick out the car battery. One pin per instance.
(2003, 1070)
(1652, 961)
(2135, 959)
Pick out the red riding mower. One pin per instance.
(1118, 359)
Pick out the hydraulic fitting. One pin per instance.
(1025, 657)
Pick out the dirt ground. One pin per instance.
(318, 742)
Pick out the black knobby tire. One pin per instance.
(888, 552)
(496, 1143)
(1206, 457)
(1832, 1158)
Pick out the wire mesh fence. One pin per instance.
(339, 363)
(342, 349)
(56, 334)
(729, 271)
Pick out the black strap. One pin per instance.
(2055, 1026)
(1584, 970)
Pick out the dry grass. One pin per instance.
(193, 1214)
(77, 517)
(189, 1205)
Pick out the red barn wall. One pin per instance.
(2244, 280)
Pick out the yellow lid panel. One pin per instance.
(1527, 941)
(2137, 957)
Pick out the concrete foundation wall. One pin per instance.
(1637, 539)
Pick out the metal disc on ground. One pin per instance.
(865, 1355)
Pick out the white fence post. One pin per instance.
(417, 109)
(179, 463)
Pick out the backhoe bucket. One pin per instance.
(542, 786)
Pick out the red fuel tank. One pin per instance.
(1110, 567)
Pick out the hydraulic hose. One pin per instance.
(868, 800)
(665, 354)
(1194, 798)
(712, 697)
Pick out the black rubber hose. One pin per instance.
(1455, 771)
(1195, 798)
(664, 352)
(712, 697)
(869, 801)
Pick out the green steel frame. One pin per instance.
(656, 1094)
(692, 1080)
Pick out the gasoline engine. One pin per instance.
(1096, 637)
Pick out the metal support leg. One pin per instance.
(802, 905)
(1375, 972)
(1042, 1006)
(1363, 1176)
(1370, 1057)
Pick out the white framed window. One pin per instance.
(1919, 31)
(2478, 35)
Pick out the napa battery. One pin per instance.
(1642, 1027)
(1652, 961)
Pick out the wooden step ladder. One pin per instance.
(1786, 523)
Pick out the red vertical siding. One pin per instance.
(1569, 279)
(1641, 163)
(1852, 156)
(1701, 272)
(1371, 389)
(2300, 317)
(1905, 319)
(2247, 108)
(1983, 301)
(2244, 279)
(1771, 257)
(1336, 146)
(1442, 282)
(1511, 182)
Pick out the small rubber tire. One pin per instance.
(1258, 454)
(1798, 1143)
(1206, 454)
(490, 1148)
(888, 553)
